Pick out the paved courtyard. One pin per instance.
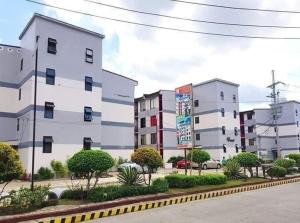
(277, 204)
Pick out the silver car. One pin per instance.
(212, 164)
(133, 166)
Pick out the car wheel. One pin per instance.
(205, 167)
(219, 166)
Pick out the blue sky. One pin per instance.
(160, 59)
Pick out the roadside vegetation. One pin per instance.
(88, 166)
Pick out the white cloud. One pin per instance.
(161, 59)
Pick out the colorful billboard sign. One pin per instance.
(184, 124)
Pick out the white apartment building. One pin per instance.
(79, 105)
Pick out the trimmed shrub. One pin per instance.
(247, 160)
(184, 181)
(75, 194)
(90, 163)
(59, 169)
(276, 171)
(175, 159)
(44, 173)
(109, 193)
(199, 157)
(285, 163)
(295, 156)
(147, 157)
(160, 185)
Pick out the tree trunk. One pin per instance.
(200, 168)
(144, 175)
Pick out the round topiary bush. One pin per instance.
(276, 171)
(247, 160)
(160, 185)
(147, 157)
(90, 163)
(285, 163)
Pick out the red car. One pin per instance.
(181, 164)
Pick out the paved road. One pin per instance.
(278, 204)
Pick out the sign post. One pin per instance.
(184, 119)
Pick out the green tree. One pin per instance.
(296, 157)
(285, 163)
(90, 163)
(198, 156)
(10, 165)
(247, 161)
(147, 157)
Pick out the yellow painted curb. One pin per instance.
(161, 203)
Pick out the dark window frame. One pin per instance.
(20, 94)
(236, 131)
(18, 124)
(50, 76)
(52, 46)
(143, 142)
(89, 55)
(153, 137)
(224, 148)
(222, 95)
(143, 123)
(47, 144)
(87, 143)
(197, 136)
(234, 98)
(88, 114)
(196, 103)
(49, 110)
(234, 114)
(21, 66)
(197, 120)
(88, 83)
(236, 148)
(223, 130)
(223, 112)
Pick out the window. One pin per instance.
(143, 122)
(153, 138)
(236, 131)
(21, 67)
(275, 129)
(89, 55)
(20, 94)
(234, 114)
(88, 114)
(152, 103)
(224, 148)
(197, 120)
(196, 103)
(234, 98)
(249, 115)
(88, 83)
(223, 130)
(296, 112)
(52, 46)
(236, 148)
(153, 120)
(50, 76)
(198, 136)
(297, 122)
(143, 106)
(143, 139)
(87, 143)
(251, 129)
(276, 141)
(223, 112)
(47, 144)
(222, 95)
(251, 142)
(18, 124)
(49, 107)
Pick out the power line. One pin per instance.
(236, 8)
(166, 28)
(192, 20)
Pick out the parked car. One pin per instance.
(134, 166)
(211, 164)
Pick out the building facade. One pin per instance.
(216, 118)
(258, 131)
(69, 92)
(117, 124)
(215, 114)
(155, 123)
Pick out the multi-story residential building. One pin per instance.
(72, 94)
(117, 125)
(155, 122)
(216, 118)
(258, 131)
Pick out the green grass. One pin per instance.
(229, 183)
(72, 202)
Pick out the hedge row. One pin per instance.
(183, 181)
(110, 193)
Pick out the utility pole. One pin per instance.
(34, 113)
(275, 109)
